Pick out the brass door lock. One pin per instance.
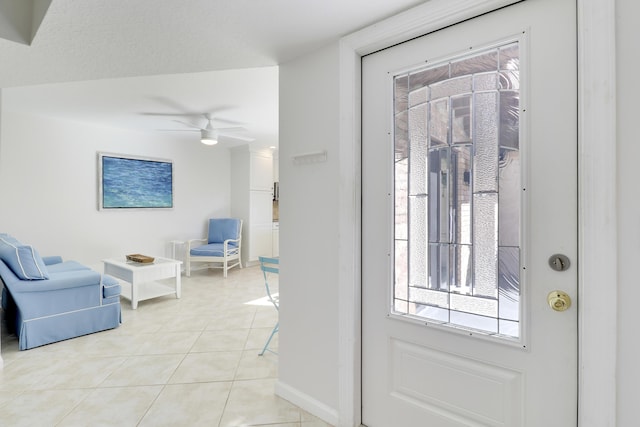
(558, 300)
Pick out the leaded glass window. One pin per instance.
(457, 181)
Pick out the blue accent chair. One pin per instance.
(221, 249)
(269, 267)
(46, 300)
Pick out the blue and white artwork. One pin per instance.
(136, 183)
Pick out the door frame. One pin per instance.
(597, 225)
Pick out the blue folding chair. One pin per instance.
(270, 266)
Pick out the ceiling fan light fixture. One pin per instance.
(209, 141)
(208, 138)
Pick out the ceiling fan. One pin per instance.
(209, 134)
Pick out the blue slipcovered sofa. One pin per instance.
(46, 300)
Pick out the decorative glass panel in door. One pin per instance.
(457, 192)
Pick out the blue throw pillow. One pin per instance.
(23, 260)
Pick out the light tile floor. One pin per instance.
(191, 361)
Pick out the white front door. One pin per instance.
(469, 178)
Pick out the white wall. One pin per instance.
(314, 126)
(628, 146)
(48, 189)
(308, 342)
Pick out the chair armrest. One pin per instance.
(50, 260)
(226, 245)
(189, 242)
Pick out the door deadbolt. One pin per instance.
(559, 301)
(559, 262)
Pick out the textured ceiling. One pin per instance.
(87, 40)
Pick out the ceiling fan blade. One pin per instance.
(210, 116)
(191, 125)
(211, 112)
(155, 114)
(147, 113)
(231, 129)
(181, 110)
(236, 137)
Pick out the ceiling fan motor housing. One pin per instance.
(209, 137)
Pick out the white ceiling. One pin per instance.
(245, 97)
(90, 60)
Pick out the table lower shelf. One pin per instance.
(147, 290)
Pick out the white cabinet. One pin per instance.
(261, 171)
(261, 207)
(261, 241)
(252, 200)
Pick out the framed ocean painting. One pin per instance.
(134, 182)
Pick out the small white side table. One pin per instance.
(178, 256)
(175, 243)
(143, 277)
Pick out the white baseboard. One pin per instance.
(308, 403)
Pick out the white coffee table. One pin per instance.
(142, 277)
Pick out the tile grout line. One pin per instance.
(235, 372)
